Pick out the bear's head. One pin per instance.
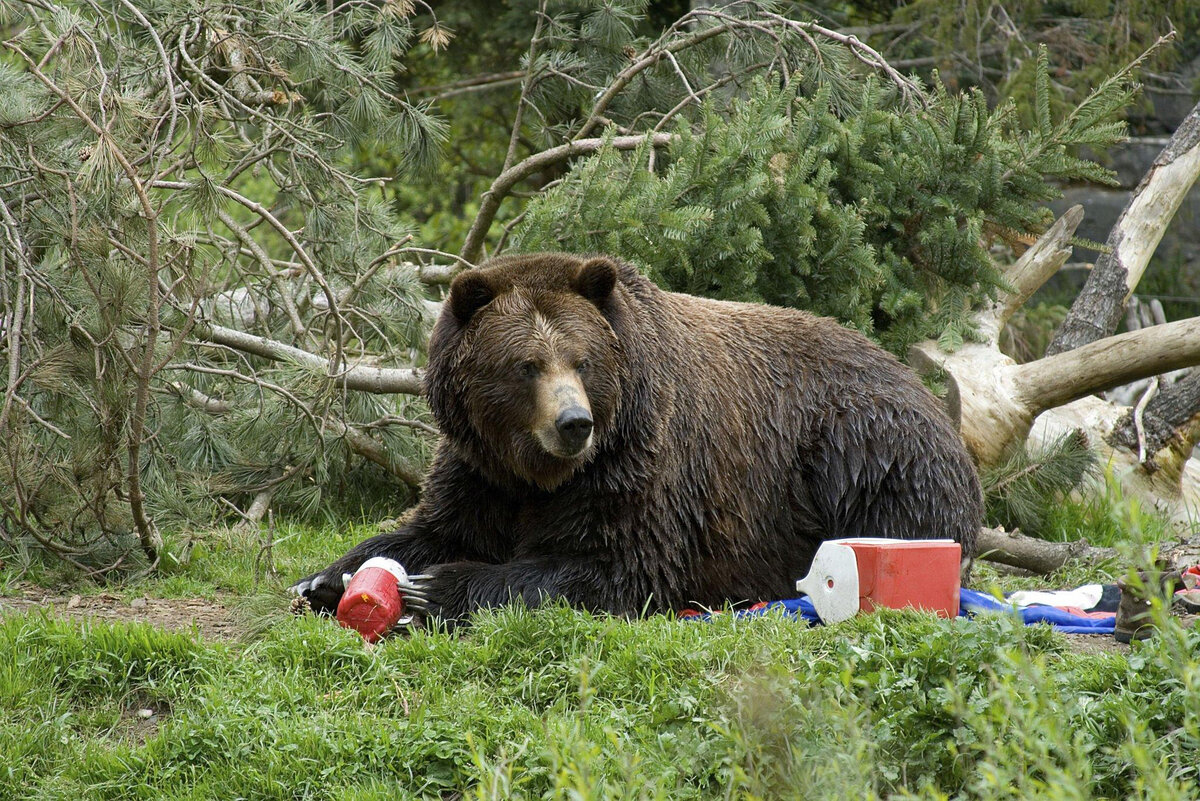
(525, 368)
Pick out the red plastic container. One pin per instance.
(922, 574)
(372, 603)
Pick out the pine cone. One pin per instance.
(300, 606)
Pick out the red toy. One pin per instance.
(922, 574)
(849, 576)
(372, 603)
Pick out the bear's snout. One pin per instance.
(563, 423)
(574, 427)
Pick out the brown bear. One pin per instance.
(630, 449)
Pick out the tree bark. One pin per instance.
(1099, 307)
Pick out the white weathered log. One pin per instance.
(998, 398)
(1108, 363)
(1172, 489)
(377, 380)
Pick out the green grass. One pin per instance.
(556, 703)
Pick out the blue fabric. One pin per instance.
(970, 604)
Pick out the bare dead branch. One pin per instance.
(377, 380)
(1032, 270)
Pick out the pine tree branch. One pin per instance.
(301, 252)
(527, 84)
(197, 399)
(502, 186)
(289, 306)
(14, 320)
(148, 536)
(657, 51)
(376, 380)
(356, 440)
(477, 84)
(866, 54)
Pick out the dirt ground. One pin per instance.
(210, 618)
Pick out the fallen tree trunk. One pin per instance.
(1014, 549)
(996, 400)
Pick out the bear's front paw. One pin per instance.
(322, 590)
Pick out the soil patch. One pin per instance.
(1095, 644)
(210, 618)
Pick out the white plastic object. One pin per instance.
(832, 583)
(390, 565)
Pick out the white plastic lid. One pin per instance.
(390, 565)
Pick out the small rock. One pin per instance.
(138, 603)
(74, 602)
(145, 714)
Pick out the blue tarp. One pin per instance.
(970, 603)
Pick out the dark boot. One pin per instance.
(1135, 620)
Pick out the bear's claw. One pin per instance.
(415, 591)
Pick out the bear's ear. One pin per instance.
(469, 292)
(596, 279)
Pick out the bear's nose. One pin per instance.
(574, 426)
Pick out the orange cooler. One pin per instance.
(922, 574)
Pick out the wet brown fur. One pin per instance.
(730, 439)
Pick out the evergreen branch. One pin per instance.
(360, 443)
(477, 84)
(657, 51)
(150, 540)
(393, 420)
(14, 321)
(909, 89)
(41, 420)
(526, 84)
(500, 188)
(309, 265)
(298, 328)
(167, 73)
(256, 381)
(197, 399)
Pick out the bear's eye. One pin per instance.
(582, 366)
(527, 370)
